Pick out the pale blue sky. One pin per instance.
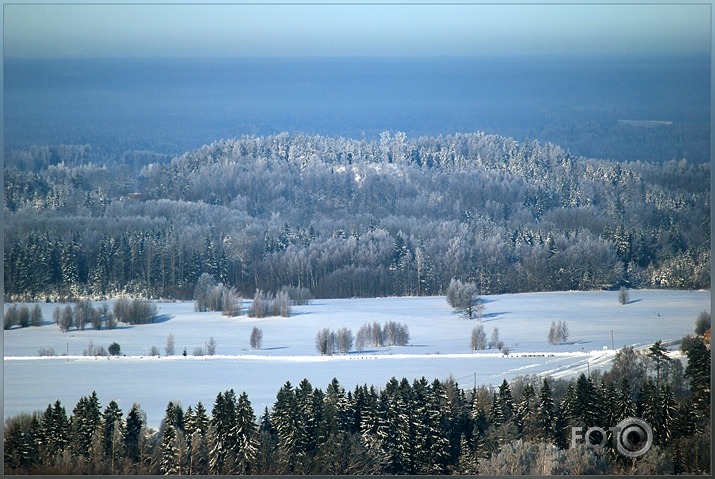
(352, 30)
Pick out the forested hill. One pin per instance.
(345, 217)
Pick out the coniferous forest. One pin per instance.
(350, 218)
(404, 427)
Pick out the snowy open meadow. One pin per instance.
(439, 346)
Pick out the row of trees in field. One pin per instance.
(22, 316)
(356, 218)
(83, 314)
(372, 334)
(418, 427)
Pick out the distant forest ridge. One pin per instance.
(352, 218)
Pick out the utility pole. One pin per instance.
(68, 351)
(613, 345)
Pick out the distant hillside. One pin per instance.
(345, 218)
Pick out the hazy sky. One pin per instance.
(355, 30)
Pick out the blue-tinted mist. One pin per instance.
(174, 105)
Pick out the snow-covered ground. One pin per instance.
(439, 347)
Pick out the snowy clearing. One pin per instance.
(439, 347)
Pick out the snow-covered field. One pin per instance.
(439, 347)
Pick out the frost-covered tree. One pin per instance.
(211, 346)
(256, 338)
(203, 288)
(36, 315)
(325, 341)
(362, 338)
(11, 317)
(495, 342)
(170, 347)
(83, 313)
(66, 318)
(479, 338)
(281, 305)
(262, 305)
(558, 333)
(344, 340)
(464, 297)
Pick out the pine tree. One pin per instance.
(658, 354)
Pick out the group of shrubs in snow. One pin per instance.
(371, 334)
(22, 316)
(83, 313)
(211, 295)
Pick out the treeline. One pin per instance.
(523, 427)
(357, 218)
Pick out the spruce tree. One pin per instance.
(624, 407)
(111, 419)
(309, 410)
(170, 461)
(223, 431)
(86, 419)
(505, 403)
(198, 454)
(561, 433)
(546, 411)
(668, 407)
(246, 435)
(54, 430)
(284, 419)
(698, 373)
(135, 423)
(434, 443)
